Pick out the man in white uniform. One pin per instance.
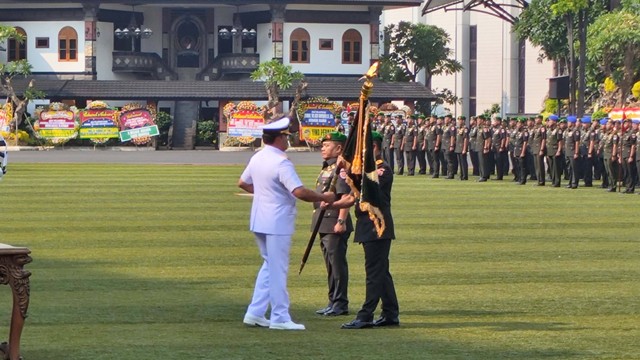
(271, 177)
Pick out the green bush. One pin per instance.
(206, 133)
(164, 121)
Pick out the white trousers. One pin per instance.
(271, 283)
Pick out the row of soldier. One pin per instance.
(576, 149)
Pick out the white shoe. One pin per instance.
(253, 320)
(289, 325)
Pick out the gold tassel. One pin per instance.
(375, 215)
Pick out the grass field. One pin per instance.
(156, 262)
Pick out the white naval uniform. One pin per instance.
(273, 215)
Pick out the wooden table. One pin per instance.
(12, 272)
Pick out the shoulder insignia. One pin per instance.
(343, 174)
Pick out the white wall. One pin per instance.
(46, 60)
(264, 43)
(328, 61)
(536, 80)
(153, 21)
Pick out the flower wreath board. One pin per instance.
(137, 124)
(317, 118)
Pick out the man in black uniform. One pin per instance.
(335, 228)
(462, 147)
(410, 145)
(379, 283)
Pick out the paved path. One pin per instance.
(151, 157)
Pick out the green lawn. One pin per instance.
(156, 262)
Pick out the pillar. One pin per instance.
(90, 37)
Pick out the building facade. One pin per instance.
(203, 49)
(498, 68)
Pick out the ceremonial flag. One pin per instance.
(361, 163)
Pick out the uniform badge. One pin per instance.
(343, 174)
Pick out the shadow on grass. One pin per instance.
(97, 314)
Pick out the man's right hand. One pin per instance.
(329, 197)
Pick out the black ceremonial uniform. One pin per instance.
(379, 283)
(334, 246)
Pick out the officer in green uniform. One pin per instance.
(430, 141)
(448, 145)
(512, 132)
(398, 137)
(531, 169)
(410, 145)
(499, 141)
(538, 140)
(462, 147)
(611, 142)
(572, 151)
(438, 158)
(520, 142)
(473, 152)
(587, 150)
(554, 148)
(421, 152)
(387, 141)
(600, 170)
(335, 227)
(483, 144)
(628, 149)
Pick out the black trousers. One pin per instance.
(410, 156)
(555, 169)
(474, 163)
(587, 170)
(437, 164)
(422, 161)
(515, 163)
(379, 283)
(499, 158)
(531, 169)
(601, 169)
(464, 166)
(523, 169)
(387, 156)
(399, 160)
(630, 174)
(334, 251)
(443, 162)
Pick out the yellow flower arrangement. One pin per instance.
(609, 85)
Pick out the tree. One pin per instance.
(614, 46)
(276, 77)
(12, 69)
(416, 48)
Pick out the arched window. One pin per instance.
(67, 44)
(299, 46)
(351, 47)
(18, 50)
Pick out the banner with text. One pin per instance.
(98, 123)
(317, 120)
(244, 123)
(139, 119)
(57, 124)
